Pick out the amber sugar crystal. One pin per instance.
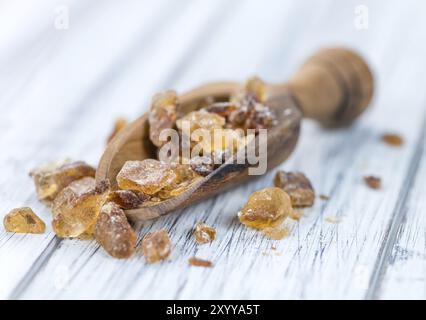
(114, 233)
(156, 246)
(203, 233)
(266, 208)
(51, 178)
(76, 208)
(23, 220)
(197, 262)
(164, 111)
(201, 119)
(297, 186)
(393, 139)
(127, 199)
(147, 176)
(373, 182)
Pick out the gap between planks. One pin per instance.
(397, 219)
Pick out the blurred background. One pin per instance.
(68, 69)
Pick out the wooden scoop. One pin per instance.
(333, 87)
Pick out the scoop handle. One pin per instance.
(334, 86)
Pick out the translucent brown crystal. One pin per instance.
(393, 139)
(203, 233)
(120, 124)
(164, 111)
(224, 109)
(197, 262)
(201, 119)
(51, 178)
(265, 208)
(251, 111)
(23, 220)
(256, 89)
(147, 176)
(298, 187)
(373, 182)
(202, 165)
(114, 233)
(156, 246)
(76, 208)
(127, 199)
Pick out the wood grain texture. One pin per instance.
(61, 90)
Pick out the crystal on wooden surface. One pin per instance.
(156, 246)
(23, 220)
(113, 232)
(147, 176)
(76, 208)
(163, 114)
(51, 178)
(266, 208)
(297, 186)
(203, 233)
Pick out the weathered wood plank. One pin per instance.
(403, 271)
(318, 259)
(53, 83)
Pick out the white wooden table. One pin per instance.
(61, 89)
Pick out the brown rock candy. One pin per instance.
(373, 182)
(51, 178)
(224, 109)
(393, 139)
(202, 165)
(202, 119)
(266, 208)
(203, 233)
(127, 199)
(197, 262)
(164, 111)
(156, 246)
(114, 233)
(76, 208)
(297, 186)
(147, 176)
(23, 220)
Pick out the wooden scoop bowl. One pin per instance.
(334, 86)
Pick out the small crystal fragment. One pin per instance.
(224, 109)
(51, 178)
(127, 199)
(393, 139)
(196, 262)
(202, 165)
(23, 220)
(256, 88)
(266, 208)
(298, 187)
(276, 233)
(203, 233)
(332, 219)
(120, 124)
(156, 246)
(373, 182)
(114, 233)
(164, 111)
(147, 176)
(201, 119)
(76, 208)
(324, 197)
